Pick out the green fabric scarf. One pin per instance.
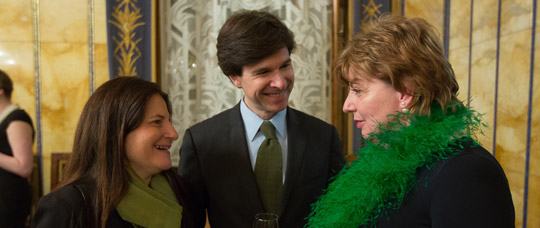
(150, 207)
(386, 168)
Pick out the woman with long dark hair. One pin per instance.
(118, 174)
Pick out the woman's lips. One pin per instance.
(359, 123)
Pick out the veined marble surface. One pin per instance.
(64, 65)
(63, 21)
(510, 96)
(16, 18)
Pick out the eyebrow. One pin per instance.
(157, 116)
(287, 61)
(265, 68)
(261, 70)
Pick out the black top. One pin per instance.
(15, 192)
(17, 115)
(467, 190)
(70, 205)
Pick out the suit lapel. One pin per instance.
(245, 174)
(295, 153)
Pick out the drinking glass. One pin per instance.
(265, 220)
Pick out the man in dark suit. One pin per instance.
(227, 157)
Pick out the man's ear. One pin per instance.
(236, 80)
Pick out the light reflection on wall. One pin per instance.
(63, 69)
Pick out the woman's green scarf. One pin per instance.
(386, 168)
(150, 207)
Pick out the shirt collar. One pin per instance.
(252, 122)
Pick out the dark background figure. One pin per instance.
(221, 155)
(16, 155)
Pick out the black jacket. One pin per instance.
(70, 205)
(469, 189)
(215, 157)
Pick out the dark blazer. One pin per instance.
(214, 157)
(70, 206)
(469, 189)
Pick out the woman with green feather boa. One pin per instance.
(118, 174)
(421, 166)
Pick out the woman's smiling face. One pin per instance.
(147, 147)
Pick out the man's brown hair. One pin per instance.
(248, 37)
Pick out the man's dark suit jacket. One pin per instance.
(214, 157)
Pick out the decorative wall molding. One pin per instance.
(129, 38)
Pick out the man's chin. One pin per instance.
(278, 108)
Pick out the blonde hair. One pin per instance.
(405, 53)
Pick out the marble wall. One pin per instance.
(16, 51)
(45, 49)
(494, 58)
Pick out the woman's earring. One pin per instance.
(404, 110)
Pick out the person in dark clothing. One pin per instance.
(421, 166)
(225, 157)
(118, 174)
(16, 155)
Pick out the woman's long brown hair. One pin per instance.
(115, 109)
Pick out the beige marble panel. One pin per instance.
(515, 180)
(432, 11)
(101, 73)
(533, 215)
(459, 58)
(482, 85)
(515, 16)
(533, 208)
(100, 22)
(535, 115)
(16, 20)
(16, 59)
(460, 18)
(484, 20)
(65, 85)
(511, 140)
(63, 21)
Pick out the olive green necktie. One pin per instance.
(269, 171)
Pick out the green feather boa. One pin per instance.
(386, 168)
